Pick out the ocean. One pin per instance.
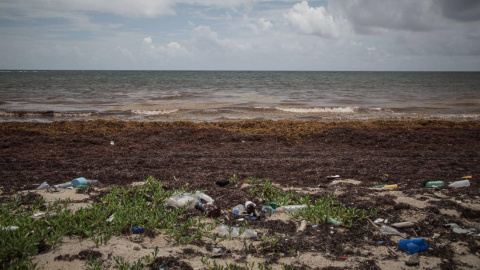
(237, 95)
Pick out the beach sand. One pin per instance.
(294, 155)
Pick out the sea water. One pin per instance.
(237, 95)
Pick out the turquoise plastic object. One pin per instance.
(413, 245)
(79, 181)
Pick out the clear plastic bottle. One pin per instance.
(232, 232)
(267, 210)
(238, 209)
(291, 208)
(462, 183)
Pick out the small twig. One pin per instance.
(176, 180)
(415, 232)
(373, 223)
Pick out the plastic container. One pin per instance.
(238, 209)
(291, 208)
(461, 183)
(390, 187)
(79, 181)
(44, 185)
(137, 229)
(435, 184)
(179, 201)
(267, 210)
(232, 232)
(380, 186)
(413, 245)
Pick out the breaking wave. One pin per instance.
(318, 109)
(153, 112)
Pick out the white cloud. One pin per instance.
(147, 40)
(313, 20)
(265, 25)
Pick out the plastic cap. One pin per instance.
(235, 212)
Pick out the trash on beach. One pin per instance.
(461, 183)
(413, 245)
(389, 230)
(435, 184)
(400, 225)
(9, 228)
(333, 177)
(203, 196)
(179, 201)
(390, 186)
(137, 229)
(39, 214)
(334, 182)
(302, 226)
(291, 208)
(112, 143)
(467, 177)
(457, 229)
(82, 181)
(267, 210)
(110, 218)
(189, 199)
(232, 232)
(222, 183)
(333, 221)
(43, 185)
(380, 186)
(238, 209)
(379, 220)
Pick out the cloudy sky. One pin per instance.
(240, 34)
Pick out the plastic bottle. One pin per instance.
(203, 196)
(231, 232)
(239, 209)
(413, 245)
(291, 208)
(267, 210)
(64, 185)
(462, 183)
(435, 184)
(199, 206)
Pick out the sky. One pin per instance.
(323, 35)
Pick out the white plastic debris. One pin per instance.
(112, 143)
(203, 196)
(180, 201)
(379, 220)
(457, 229)
(110, 218)
(43, 185)
(403, 224)
(9, 228)
(389, 230)
(232, 232)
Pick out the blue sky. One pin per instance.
(240, 34)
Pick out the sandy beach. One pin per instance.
(294, 155)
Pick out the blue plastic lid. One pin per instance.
(235, 212)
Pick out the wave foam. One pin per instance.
(318, 110)
(153, 112)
